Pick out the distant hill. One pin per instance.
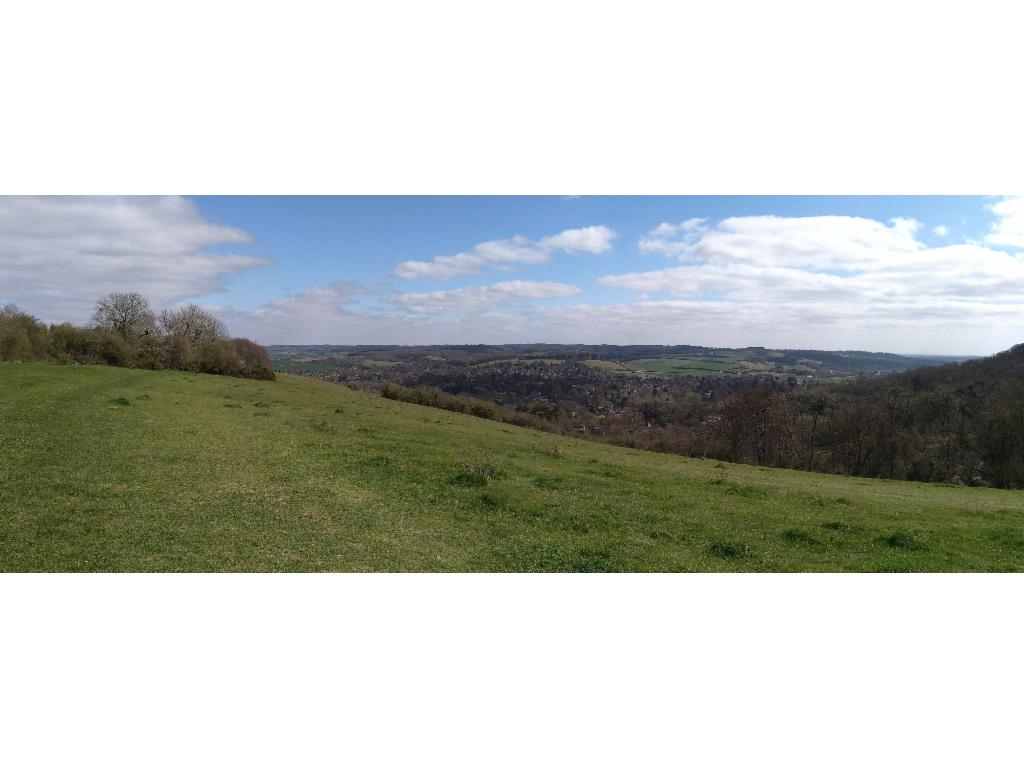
(844, 360)
(1008, 364)
(642, 359)
(111, 469)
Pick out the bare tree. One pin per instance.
(127, 314)
(192, 323)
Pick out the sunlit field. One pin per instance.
(111, 469)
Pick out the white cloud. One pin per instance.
(596, 239)
(307, 317)
(327, 297)
(783, 241)
(834, 278)
(815, 282)
(486, 297)
(59, 254)
(503, 253)
(516, 250)
(940, 230)
(823, 281)
(937, 327)
(820, 242)
(325, 315)
(1008, 229)
(672, 239)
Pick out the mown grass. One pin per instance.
(108, 469)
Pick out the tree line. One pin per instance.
(961, 424)
(125, 331)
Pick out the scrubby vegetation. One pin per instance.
(126, 332)
(435, 398)
(109, 469)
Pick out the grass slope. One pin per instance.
(107, 469)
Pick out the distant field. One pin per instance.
(610, 366)
(714, 367)
(302, 365)
(109, 469)
(520, 361)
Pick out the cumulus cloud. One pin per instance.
(672, 239)
(59, 254)
(834, 277)
(596, 239)
(1008, 229)
(825, 281)
(821, 242)
(940, 230)
(505, 253)
(485, 297)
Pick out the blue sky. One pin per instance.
(903, 274)
(318, 240)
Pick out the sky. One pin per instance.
(925, 275)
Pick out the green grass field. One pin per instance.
(109, 469)
(712, 367)
(611, 367)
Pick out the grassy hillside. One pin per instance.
(109, 469)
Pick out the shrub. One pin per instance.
(126, 333)
(88, 345)
(179, 353)
(435, 398)
(482, 410)
(254, 360)
(219, 357)
(147, 355)
(22, 336)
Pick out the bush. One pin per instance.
(22, 336)
(87, 345)
(126, 334)
(435, 398)
(179, 353)
(219, 357)
(254, 360)
(235, 357)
